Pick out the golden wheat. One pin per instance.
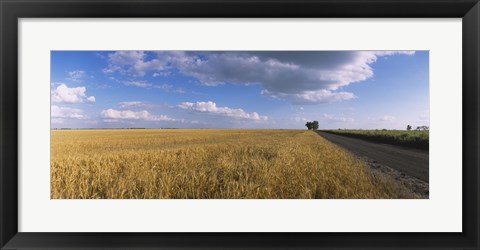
(206, 164)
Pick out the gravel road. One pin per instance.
(413, 162)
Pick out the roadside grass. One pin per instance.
(414, 139)
(209, 164)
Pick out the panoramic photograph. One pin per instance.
(239, 124)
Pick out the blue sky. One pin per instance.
(239, 89)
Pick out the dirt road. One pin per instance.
(413, 162)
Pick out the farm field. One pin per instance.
(209, 164)
(414, 139)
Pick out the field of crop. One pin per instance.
(414, 139)
(220, 164)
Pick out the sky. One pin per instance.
(239, 89)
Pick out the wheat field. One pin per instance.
(208, 164)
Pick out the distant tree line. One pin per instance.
(419, 128)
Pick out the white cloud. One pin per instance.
(311, 97)
(63, 112)
(76, 75)
(64, 94)
(164, 87)
(211, 108)
(141, 84)
(91, 99)
(337, 118)
(162, 73)
(121, 59)
(133, 62)
(111, 120)
(170, 88)
(112, 114)
(180, 90)
(134, 104)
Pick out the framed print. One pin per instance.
(254, 124)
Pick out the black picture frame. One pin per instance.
(12, 10)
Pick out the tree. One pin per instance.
(409, 127)
(312, 125)
(424, 128)
(315, 125)
(309, 125)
